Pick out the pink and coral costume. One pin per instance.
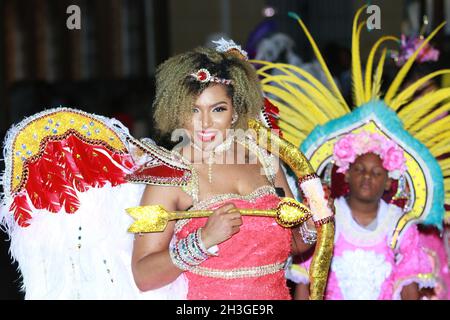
(250, 264)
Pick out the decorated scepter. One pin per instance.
(154, 218)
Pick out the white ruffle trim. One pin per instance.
(361, 274)
(346, 226)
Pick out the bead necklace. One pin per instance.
(223, 147)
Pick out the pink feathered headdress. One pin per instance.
(352, 145)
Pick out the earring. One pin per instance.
(235, 118)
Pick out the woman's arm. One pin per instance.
(151, 264)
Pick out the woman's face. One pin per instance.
(212, 115)
(367, 178)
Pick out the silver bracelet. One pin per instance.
(175, 256)
(213, 251)
(188, 252)
(308, 236)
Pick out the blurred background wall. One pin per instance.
(108, 66)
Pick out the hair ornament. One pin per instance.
(203, 76)
(352, 145)
(229, 46)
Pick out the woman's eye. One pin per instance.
(219, 109)
(194, 110)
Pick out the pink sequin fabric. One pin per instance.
(249, 265)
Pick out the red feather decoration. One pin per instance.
(64, 167)
(271, 114)
(21, 210)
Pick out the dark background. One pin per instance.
(107, 67)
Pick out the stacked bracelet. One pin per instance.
(189, 252)
(213, 251)
(308, 236)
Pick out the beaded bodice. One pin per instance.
(250, 263)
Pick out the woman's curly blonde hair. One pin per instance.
(177, 90)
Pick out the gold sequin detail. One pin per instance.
(291, 213)
(153, 218)
(192, 187)
(320, 265)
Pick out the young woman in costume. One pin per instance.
(211, 95)
(77, 174)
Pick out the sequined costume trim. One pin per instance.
(30, 137)
(255, 194)
(307, 178)
(239, 272)
(164, 167)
